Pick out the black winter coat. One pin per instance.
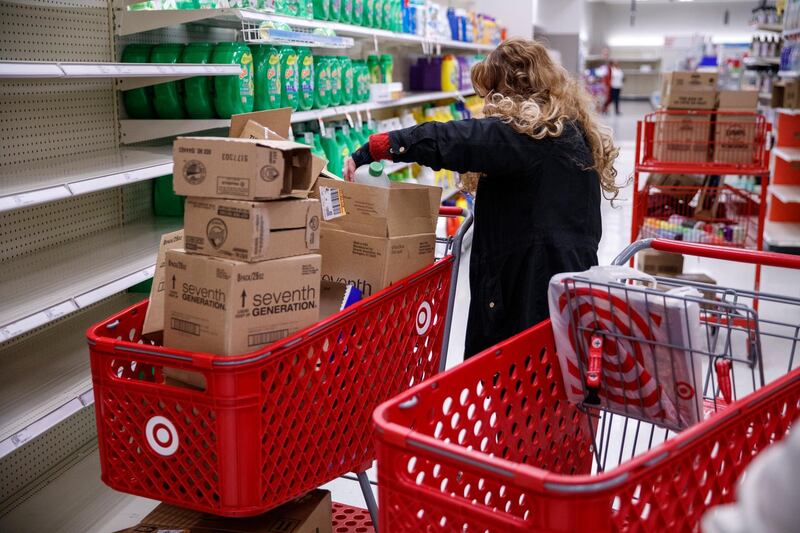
(537, 213)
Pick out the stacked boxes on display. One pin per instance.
(685, 137)
(735, 134)
(250, 272)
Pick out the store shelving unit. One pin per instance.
(135, 131)
(26, 185)
(41, 287)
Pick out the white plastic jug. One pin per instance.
(372, 174)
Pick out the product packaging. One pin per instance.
(688, 90)
(682, 138)
(252, 231)
(154, 317)
(311, 513)
(735, 135)
(658, 263)
(247, 169)
(639, 375)
(374, 236)
(199, 90)
(228, 307)
(336, 296)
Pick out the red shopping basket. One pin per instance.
(493, 445)
(270, 425)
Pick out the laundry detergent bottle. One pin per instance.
(322, 83)
(305, 63)
(336, 80)
(290, 79)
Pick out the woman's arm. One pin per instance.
(460, 145)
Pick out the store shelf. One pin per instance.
(790, 155)
(38, 288)
(134, 131)
(774, 28)
(788, 111)
(788, 194)
(130, 75)
(31, 184)
(131, 22)
(788, 73)
(782, 234)
(762, 61)
(791, 34)
(46, 378)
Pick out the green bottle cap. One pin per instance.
(375, 169)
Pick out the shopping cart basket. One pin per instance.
(273, 424)
(494, 445)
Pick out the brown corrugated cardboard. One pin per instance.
(402, 209)
(658, 263)
(688, 90)
(737, 100)
(311, 513)
(272, 124)
(229, 307)
(778, 89)
(791, 94)
(252, 231)
(154, 317)
(734, 135)
(373, 263)
(241, 169)
(682, 138)
(674, 180)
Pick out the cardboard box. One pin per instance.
(735, 135)
(374, 236)
(252, 231)
(682, 138)
(229, 307)
(336, 296)
(241, 169)
(791, 94)
(778, 90)
(689, 90)
(373, 263)
(154, 317)
(311, 513)
(658, 263)
(675, 180)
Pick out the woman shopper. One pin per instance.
(615, 78)
(537, 164)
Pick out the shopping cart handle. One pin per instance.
(452, 211)
(712, 252)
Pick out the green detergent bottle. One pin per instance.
(317, 149)
(198, 91)
(333, 152)
(321, 83)
(347, 79)
(369, 8)
(260, 80)
(290, 80)
(377, 14)
(374, 66)
(165, 202)
(347, 12)
(321, 8)
(345, 144)
(305, 63)
(335, 10)
(233, 94)
(353, 140)
(274, 76)
(388, 6)
(357, 17)
(168, 97)
(336, 80)
(312, 140)
(138, 102)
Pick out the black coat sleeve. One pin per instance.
(474, 145)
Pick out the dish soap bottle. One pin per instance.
(289, 78)
(305, 62)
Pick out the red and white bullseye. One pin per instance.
(162, 436)
(684, 390)
(424, 318)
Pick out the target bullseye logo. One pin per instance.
(424, 318)
(684, 390)
(162, 436)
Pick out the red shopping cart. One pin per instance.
(493, 444)
(272, 424)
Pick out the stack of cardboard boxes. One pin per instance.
(687, 137)
(246, 269)
(249, 273)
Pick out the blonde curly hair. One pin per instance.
(522, 85)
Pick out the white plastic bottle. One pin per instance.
(372, 174)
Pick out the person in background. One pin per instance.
(539, 164)
(614, 78)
